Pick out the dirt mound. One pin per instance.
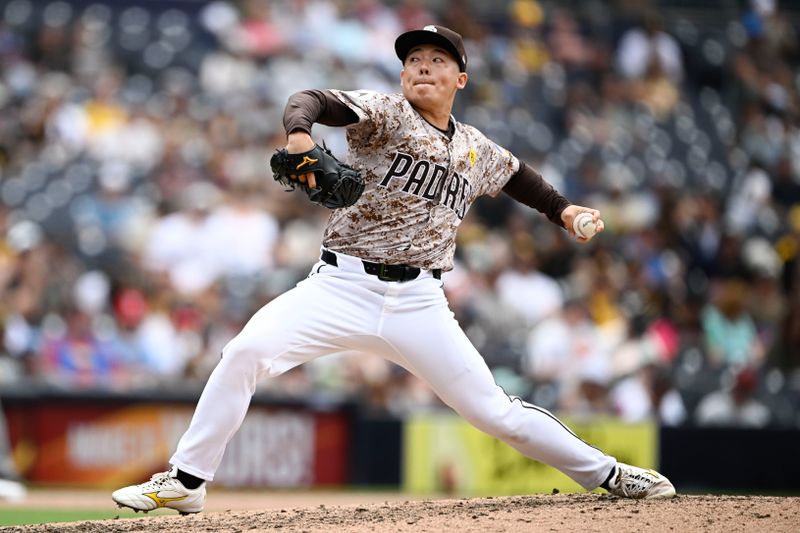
(561, 512)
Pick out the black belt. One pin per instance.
(384, 272)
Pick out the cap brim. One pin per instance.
(408, 40)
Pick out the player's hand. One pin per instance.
(298, 142)
(572, 211)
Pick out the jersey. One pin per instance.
(420, 183)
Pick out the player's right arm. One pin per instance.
(303, 110)
(529, 187)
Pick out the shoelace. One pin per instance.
(158, 480)
(635, 484)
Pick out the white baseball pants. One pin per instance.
(340, 309)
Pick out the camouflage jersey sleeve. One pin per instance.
(374, 112)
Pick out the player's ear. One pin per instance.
(462, 80)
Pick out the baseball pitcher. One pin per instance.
(414, 172)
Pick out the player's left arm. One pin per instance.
(529, 187)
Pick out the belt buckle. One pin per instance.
(384, 276)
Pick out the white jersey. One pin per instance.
(419, 183)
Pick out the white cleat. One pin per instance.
(634, 482)
(163, 490)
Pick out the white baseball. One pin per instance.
(584, 226)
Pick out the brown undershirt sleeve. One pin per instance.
(529, 187)
(307, 107)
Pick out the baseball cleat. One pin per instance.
(634, 482)
(163, 490)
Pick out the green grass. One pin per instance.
(10, 516)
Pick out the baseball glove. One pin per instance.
(338, 185)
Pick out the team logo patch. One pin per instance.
(430, 28)
(473, 157)
(306, 161)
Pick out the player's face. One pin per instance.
(431, 77)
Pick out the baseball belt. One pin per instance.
(382, 271)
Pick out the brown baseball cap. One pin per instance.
(436, 35)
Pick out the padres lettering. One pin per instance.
(429, 181)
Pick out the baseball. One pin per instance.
(584, 226)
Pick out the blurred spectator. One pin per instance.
(524, 288)
(786, 351)
(178, 246)
(145, 322)
(567, 351)
(656, 91)
(786, 189)
(735, 405)
(112, 214)
(414, 14)
(568, 45)
(527, 47)
(730, 333)
(749, 201)
(697, 219)
(257, 35)
(649, 394)
(761, 134)
(591, 398)
(242, 236)
(769, 28)
(647, 48)
(223, 73)
(74, 355)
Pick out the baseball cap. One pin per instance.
(436, 35)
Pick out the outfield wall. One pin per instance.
(442, 453)
(68, 439)
(89, 440)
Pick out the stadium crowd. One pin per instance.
(140, 226)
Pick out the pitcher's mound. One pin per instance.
(562, 512)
